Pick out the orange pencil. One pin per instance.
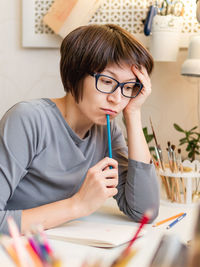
(168, 219)
(37, 261)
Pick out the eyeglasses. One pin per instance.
(108, 85)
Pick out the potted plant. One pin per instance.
(191, 139)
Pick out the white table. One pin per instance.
(72, 255)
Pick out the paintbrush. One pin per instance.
(180, 167)
(154, 136)
(179, 161)
(161, 157)
(169, 148)
(175, 168)
(169, 158)
(158, 156)
(174, 162)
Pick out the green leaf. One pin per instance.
(190, 154)
(191, 139)
(178, 128)
(183, 139)
(145, 131)
(181, 143)
(188, 148)
(195, 127)
(151, 149)
(148, 137)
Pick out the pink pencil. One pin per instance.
(21, 251)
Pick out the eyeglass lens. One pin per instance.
(108, 85)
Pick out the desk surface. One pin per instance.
(73, 254)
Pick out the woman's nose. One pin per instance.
(116, 96)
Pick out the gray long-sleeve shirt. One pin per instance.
(42, 161)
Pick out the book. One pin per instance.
(94, 233)
(64, 16)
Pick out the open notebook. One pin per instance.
(94, 233)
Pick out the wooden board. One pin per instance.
(64, 16)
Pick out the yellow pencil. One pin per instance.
(123, 261)
(168, 219)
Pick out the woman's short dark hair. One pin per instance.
(91, 48)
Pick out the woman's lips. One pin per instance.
(109, 111)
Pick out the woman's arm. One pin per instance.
(137, 145)
(100, 183)
(50, 215)
(138, 188)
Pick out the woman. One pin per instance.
(54, 164)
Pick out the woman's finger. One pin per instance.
(105, 162)
(112, 191)
(144, 78)
(113, 182)
(111, 177)
(141, 74)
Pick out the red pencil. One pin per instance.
(143, 221)
(126, 253)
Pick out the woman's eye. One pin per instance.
(130, 87)
(106, 81)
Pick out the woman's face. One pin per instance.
(95, 105)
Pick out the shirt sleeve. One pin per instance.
(138, 189)
(18, 142)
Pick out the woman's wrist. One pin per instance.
(79, 210)
(132, 117)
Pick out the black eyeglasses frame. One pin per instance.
(121, 85)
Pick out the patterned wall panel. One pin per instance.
(129, 14)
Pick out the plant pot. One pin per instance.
(165, 38)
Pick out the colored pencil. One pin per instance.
(24, 257)
(123, 261)
(168, 219)
(45, 240)
(109, 136)
(143, 221)
(5, 241)
(38, 262)
(176, 221)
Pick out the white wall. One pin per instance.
(24, 73)
(33, 73)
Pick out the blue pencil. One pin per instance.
(109, 136)
(176, 221)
